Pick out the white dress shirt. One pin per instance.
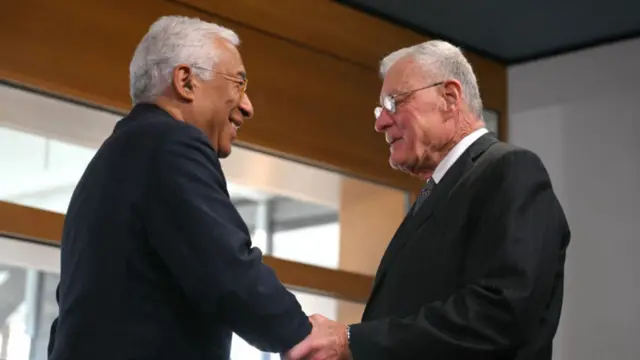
(455, 153)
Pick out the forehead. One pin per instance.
(400, 77)
(229, 59)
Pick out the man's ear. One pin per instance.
(182, 82)
(452, 93)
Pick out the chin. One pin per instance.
(224, 147)
(393, 164)
(397, 160)
(224, 150)
(400, 166)
(223, 153)
(401, 163)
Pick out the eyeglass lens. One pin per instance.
(388, 103)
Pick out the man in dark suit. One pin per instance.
(475, 270)
(156, 261)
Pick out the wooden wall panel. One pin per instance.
(324, 25)
(346, 33)
(44, 226)
(369, 216)
(337, 284)
(34, 224)
(314, 86)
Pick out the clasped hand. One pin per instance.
(327, 341)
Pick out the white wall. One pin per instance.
(581, 114)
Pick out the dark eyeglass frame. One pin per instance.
(390, 102)
(242, 81)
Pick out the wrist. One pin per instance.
(346, 342)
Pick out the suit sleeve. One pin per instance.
(521, 230)
(199, 234)
(54, 328)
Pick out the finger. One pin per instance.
(321, 354)
(302, 349)
(314, 321)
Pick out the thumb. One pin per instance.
(316, 319)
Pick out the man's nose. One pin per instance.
(246, 107)
(383, 122)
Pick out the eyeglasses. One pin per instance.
(242, 81)
(390, 102)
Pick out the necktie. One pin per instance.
(424, 194)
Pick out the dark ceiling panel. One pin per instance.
(514, 31)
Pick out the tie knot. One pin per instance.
(429, 185)
(424, 194)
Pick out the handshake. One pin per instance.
(328, 341)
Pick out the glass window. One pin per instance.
(41, 172)
(27, 299)
(313, 244)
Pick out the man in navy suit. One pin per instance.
(156, 261)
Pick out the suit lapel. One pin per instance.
(435, 201)
(452, 177)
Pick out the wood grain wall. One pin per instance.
(312, 67)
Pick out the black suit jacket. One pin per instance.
(477, 272)
(156, 261)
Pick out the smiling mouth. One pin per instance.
(235, 123)
(392, 141)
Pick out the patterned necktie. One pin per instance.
(424, 194)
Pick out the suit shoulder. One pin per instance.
(506, 153)
(159, 130)
(152, 125)
(504, 160)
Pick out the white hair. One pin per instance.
(170, 41)
(444, 61)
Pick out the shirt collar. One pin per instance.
(455, 153)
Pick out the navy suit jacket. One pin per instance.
(156, 261)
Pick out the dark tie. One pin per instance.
(424, 194)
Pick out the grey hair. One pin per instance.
(170, 41)
(442, 60)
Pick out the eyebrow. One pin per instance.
(391, 94)
(241, 74)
